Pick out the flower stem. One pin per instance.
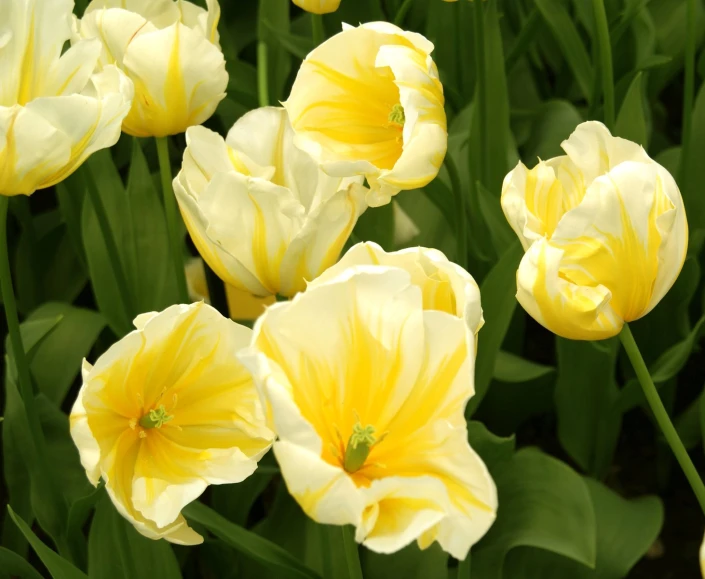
(318, 33)
(465, 568)
(661, 415)
(401, 13)
(262, 80)
(480, 116)
(688, 89)
(172, 217)
(111, 247)
(605, 51)
(462, 216)
(352, 556)
(13, 325)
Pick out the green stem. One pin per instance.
(216, 291)
(480, 116)
(526, 35)
(262, 79)
(173, 224)
(318, 33)
(324, 534)
(401, 13)
(605, 50)
(111, 247)
(13, 325)
(661, 415)
(688, 89)
(352, 556)
(461, 210)
(464, 568)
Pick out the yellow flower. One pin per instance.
(604, 230)
(445, 286)
(368, 101)
(241, 305)
(318, 6)
(165, 412)
(171, 52)
(366, 391)
(259, 210)
(702, 559)
(54, 111)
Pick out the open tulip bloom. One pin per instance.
(165, 412)
(260, 211)
(368, 101)
(366, 389)
(604, 230)
(54, 111)
(170, 50)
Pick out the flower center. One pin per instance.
(397, 116)
(156, 418)
(358, 448)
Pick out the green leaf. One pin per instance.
(631, 121)
(625, 530)
(234, 502)
(543, 504)
(409, 563)
(377, 224)
(694, 169)
(498, 292)
(493, 449)
(298, 46)
(270, 555)
(589, 419)
(511, 368)
(491, 210)
(59, 567)
(57, 360)
(568, 37)
(554, 122)
(116, 549)
(16, 566)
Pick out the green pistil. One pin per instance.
(156, 418)
(397, 116)
(358, 449)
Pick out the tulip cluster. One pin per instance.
(360, 381)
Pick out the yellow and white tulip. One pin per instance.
(604, 230)
(445, 286)
(260, 211)
(366, 390)
(167, 411)
(368, 101)
(171, 50)
(318, 6)
(54, 111)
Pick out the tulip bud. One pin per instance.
(54, 111)
(259, 210)
(171, 52)
(605, 234)
(318, 6)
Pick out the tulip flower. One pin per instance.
(368, 101)
(445, 286)
(604, 230)
(318, 6)
(241, 305)
(702, 559)
(260, 211)
(170, 50)
(366, 390)
(54, 111)
(167, 411)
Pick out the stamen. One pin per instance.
(156, 418)
(397, 116)
(359, 445)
